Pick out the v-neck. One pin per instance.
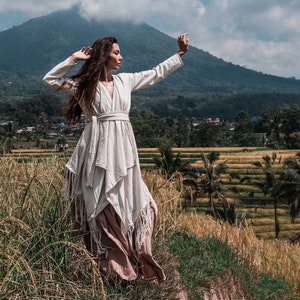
(107, 91)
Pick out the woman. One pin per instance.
(111, 203)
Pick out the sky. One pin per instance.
(262, 35)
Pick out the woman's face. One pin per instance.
(114, 60)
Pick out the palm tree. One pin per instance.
(271, 184)
(8, 135)
(274, 122)
(210, 181)
(291, 184)
(167, 161)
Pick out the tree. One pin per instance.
(244, 130)
(204, 134)
(146, 126)
(291, 120)
(182, 133)
(8, 135)
(167, 161)
(210, 181)
(274, 124)
(271, 184)
(282, 126)
(291, 184)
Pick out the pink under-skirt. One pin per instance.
(120, 260)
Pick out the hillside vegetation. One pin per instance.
(55, 36)
(206, 86)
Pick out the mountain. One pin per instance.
(32, 48)
(28, 51)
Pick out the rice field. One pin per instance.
(250, 201)
(40, 255)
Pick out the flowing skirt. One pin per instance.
(121, 261)
(120, 255)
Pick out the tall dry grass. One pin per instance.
(40, 257)
(168, 196)
(274, 257)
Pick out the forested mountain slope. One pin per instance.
(205, 85)
(33, 47)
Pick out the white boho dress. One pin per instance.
(103, 177)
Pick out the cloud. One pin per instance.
(34, 8)
(262, 35)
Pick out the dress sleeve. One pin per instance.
(56, 78)
(145, 79)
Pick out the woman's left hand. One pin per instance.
(183, 43)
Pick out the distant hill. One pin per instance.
(28, 51)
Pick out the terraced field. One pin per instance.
(251, 205)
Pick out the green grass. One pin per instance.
(207, 260)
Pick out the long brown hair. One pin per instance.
(87, 80)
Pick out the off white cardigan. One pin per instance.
(104, 166)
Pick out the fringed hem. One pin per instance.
(135, 234)
(69, 178)
(142, 225)
(82, 225)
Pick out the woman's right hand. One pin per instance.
(83, 54)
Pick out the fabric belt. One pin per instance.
(111, 116)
